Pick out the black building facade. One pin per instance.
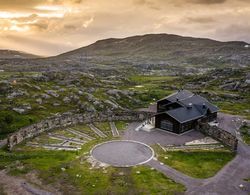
(182, 111)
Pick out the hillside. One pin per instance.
(147, 53)
(12, 54)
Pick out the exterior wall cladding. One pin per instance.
(183, 127)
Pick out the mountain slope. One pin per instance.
(147, 53)
(12, 54)
(163, 49)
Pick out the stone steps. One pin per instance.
(80, 134)
(97, 131)
(73, 140)
(114, 130)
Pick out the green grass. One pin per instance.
(79, 177)
(198, 164)
(149, 181)
(146, 79)
(121, 125)
(233, 108)
(247, 179)
(104, 127)
(45, 139)
(85, 129)
(245, 134)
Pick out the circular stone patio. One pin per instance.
(122, 153)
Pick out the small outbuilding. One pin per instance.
(182, 111)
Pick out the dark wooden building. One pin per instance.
(182, 111)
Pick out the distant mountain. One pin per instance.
(153, 52)
(12, 54)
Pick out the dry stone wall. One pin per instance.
(70, 119)
(219, 134)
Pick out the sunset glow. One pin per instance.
(47, 26)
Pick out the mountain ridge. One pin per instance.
(145, 53)
(14, 54)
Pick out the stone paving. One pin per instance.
(122, 153)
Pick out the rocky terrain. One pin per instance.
(108, 76)
(120, 74)
(149, 54)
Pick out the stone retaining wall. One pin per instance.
(66, 120)
(219, 134)
(70, 119)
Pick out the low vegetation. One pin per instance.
(245, 132)
(71, 172)
(198, 164)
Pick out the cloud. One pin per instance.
(207, 1)
(201, 20)
(38, 26)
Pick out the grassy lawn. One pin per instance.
(104, 127)
(85, 129)
(45, 139)
(71, 173)
(198, 164)
(233, 108)
(248, 179)
(121, 125)
(245, 132)
(153, 182)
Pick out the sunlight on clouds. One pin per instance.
(88, 22)
(81, 22)
(6, 15)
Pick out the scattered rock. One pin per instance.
(52, 93)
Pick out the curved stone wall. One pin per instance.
(66, 120)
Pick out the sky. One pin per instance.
(51, 27)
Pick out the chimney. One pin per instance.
(204, 105)
(189, 105)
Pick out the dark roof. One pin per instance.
(184, 114)
(180, 95)
(199, 101)
(193, 106)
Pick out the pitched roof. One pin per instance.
(193, 106)
(184, 114)
(180, 95)
(199, 101)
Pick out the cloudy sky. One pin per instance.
(50, 27)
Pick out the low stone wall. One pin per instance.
(66, 120)
(219, 134)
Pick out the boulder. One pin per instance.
(66, 100)
(45, 96)
(39, 101)
(52, 93)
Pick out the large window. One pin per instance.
(167, 125)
